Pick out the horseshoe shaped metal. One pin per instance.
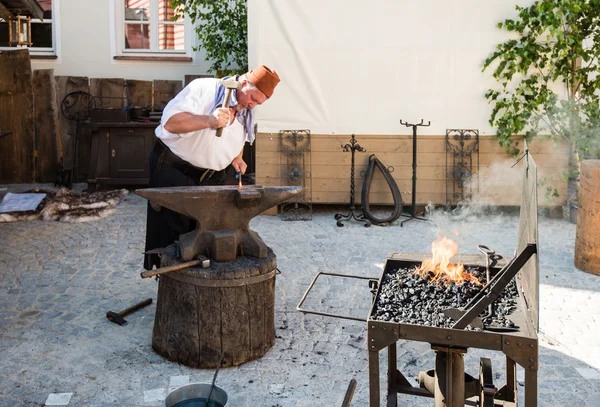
(374, 161)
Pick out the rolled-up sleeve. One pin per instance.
(196, 98)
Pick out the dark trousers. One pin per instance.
(163, 226)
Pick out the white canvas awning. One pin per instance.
(350, 66)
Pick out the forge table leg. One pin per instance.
(392, 393)
(449, 377)
(530, 388)
(374, 397)
(511, 380)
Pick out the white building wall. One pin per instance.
(354, 66)
(85, 44)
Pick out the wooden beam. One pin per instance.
(46, 125)
(24, 7)
(5, 13)
(16, 116)
(34, 8)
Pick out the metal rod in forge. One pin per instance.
(412, 214)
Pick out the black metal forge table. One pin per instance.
(520, 347)
(447, 383)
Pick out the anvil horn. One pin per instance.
(222, 215)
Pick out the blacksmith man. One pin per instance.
(187, 151)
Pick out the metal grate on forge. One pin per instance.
(447, 383)
(296, 171)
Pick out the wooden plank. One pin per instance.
(138, 93)
(342, 172)
(235, 324)
(16, 118)
(373, 144)
(67, 128)
(403, 143)
(46, 125)
(439, 198)
(210, 314)
(176, 332)
(108, 92)
(542, 159)
(344, 159)
(378, 185)
(537, 146)
(376, 199)
(164, 91)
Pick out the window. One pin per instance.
(42, 32)
(147, 27)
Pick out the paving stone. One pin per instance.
(154, 395)
(11, 402)
(59, 399)
(588, 373)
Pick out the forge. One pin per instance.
(216, 289)
(498, 312)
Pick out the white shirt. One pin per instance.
(201, 148)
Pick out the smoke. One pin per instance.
(485, 220)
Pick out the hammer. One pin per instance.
(201, 261)
(117, 317)
(230, 84)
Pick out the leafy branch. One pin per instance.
(548, 75)
(222, 28)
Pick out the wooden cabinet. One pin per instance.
(120, 152)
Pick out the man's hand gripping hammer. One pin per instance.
(230, 85)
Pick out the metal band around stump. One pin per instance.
(238, 282)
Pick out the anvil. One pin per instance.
(222, 215)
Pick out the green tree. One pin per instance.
(222, 28)
(548, 76)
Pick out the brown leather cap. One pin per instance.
(264, 79)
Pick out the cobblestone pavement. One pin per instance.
(58, 281)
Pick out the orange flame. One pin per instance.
(439, 268)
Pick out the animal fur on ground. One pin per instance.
(65, 206)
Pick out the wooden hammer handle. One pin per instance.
(225, 105)
(135, 307)
(176, 267)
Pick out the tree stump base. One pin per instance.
(587, 240)
(229, 306)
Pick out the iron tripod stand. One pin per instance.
(413, 207)
(352, 147)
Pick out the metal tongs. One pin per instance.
(491, 291)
